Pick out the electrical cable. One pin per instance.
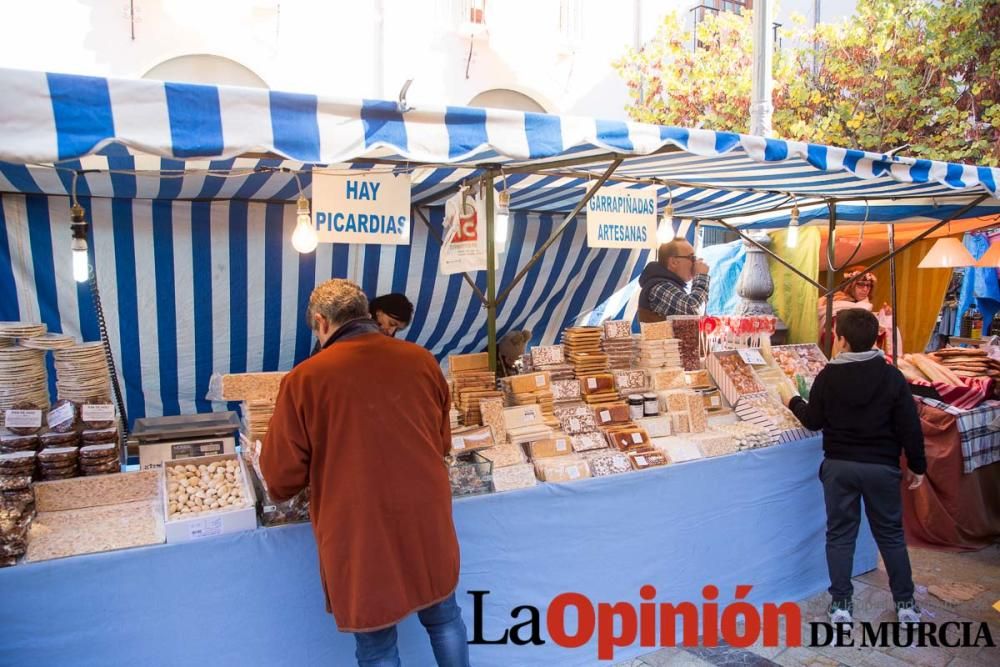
(102, 327)
(861, 239)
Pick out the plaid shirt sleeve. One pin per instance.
(666, 298)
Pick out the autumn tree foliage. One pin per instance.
(919, 72)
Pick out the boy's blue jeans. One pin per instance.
(444, 626)
(845, 483)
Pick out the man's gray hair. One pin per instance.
(337, 300)
(672, 249)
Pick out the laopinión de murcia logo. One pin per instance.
(740, 624)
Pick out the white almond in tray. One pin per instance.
(204, 487)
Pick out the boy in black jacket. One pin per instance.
(866, 411)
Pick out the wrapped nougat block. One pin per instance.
(518, 476)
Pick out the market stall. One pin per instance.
(257, 593)
(190, 197)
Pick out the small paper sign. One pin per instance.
(23, 418)
(752, 357)
(361, 207)
(98, 412)
(61, 414)
(205, 528)
(573, 473)
(540, 380)
(605, 416)
(637, 438)
(591, 383)
(641, 460)
(560, 445)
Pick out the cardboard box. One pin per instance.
(528, 434)
(557, 445)
(476, 438)
(529, 382)
(209, 524)
(469, 362)
(562, 469)
(522, 416)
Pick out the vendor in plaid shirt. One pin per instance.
(664, 283)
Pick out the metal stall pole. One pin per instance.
(831, 248)
(892, 293)
(491, 274)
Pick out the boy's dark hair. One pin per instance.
(859, 327)
(394, 305)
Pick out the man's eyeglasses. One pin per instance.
(691, 258)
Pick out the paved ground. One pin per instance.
(873, 602)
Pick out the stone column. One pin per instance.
(755, 285)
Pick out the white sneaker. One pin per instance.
(840, 612)
(841, 616)
(908, 613)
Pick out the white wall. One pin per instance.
(331, 47)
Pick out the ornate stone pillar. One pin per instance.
(755, 285)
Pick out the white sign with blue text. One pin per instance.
(622, 217)
(366, 207)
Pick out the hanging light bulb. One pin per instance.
(501, 221)
(792, 241)
(665, 234)
(81, 263)
(947, 253)
(304, 237)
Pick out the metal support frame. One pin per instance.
(562, 228)
(437, 237)
(920, 237)
(491, 273)
(770, 253)
(831, 248)
(892, 293)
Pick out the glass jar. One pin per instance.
(635, 409)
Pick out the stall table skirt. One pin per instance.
(254, 598)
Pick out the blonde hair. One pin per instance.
(337, 300)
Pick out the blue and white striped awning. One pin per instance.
(189, 192)
(149, 139)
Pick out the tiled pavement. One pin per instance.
(873, 602)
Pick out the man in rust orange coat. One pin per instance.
(365, 425)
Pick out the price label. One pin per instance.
(605, 416)
(205, 528)
(59, 415)
(458, 443)
(637, 438)
(98, 412)
(539, 380)
(591, 383)
(688, 378)
(23, 418)
(641, 460)
(573, 473)
(560, 445)
(752, 357)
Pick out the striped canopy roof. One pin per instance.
(149, 139)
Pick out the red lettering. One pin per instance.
(647, 614)
(607, 640)
(555, 620)
(772, 624)
(668, 623)
(710, 617)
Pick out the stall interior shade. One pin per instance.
(195, 288)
